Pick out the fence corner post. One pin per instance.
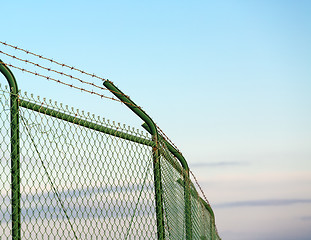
(15, 152)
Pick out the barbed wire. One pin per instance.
(62, 74)
(58, 81)
(203, 195)
(53, 61)
(52, 70)
(197, 183)
(71, 77)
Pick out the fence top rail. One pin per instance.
(88, 124)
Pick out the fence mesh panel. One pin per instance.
(77, 182)
(173, 195)
(5, 169)
(86, 178)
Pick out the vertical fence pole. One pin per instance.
(188, 214)
(15, 158)
(155, 152)
(186, 184)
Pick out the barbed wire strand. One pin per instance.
(52, 70)
(197, 183)
(201, 190)
(61, 73)
(58, 81)
(53, 61)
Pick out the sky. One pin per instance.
(229, 83)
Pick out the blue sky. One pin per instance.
(228, 81)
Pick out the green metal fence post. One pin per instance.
(15, 158)
(186, 185)
(155, 151)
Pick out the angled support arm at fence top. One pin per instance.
(15, 152)
(155, 151)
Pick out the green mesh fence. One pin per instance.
(82, 177)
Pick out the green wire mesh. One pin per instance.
(91, 179)
(174, 205)
(5, 168)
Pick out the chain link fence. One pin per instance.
(82, 177)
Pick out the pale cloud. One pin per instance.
(306, 218)
(263, 202)
(218, 164)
